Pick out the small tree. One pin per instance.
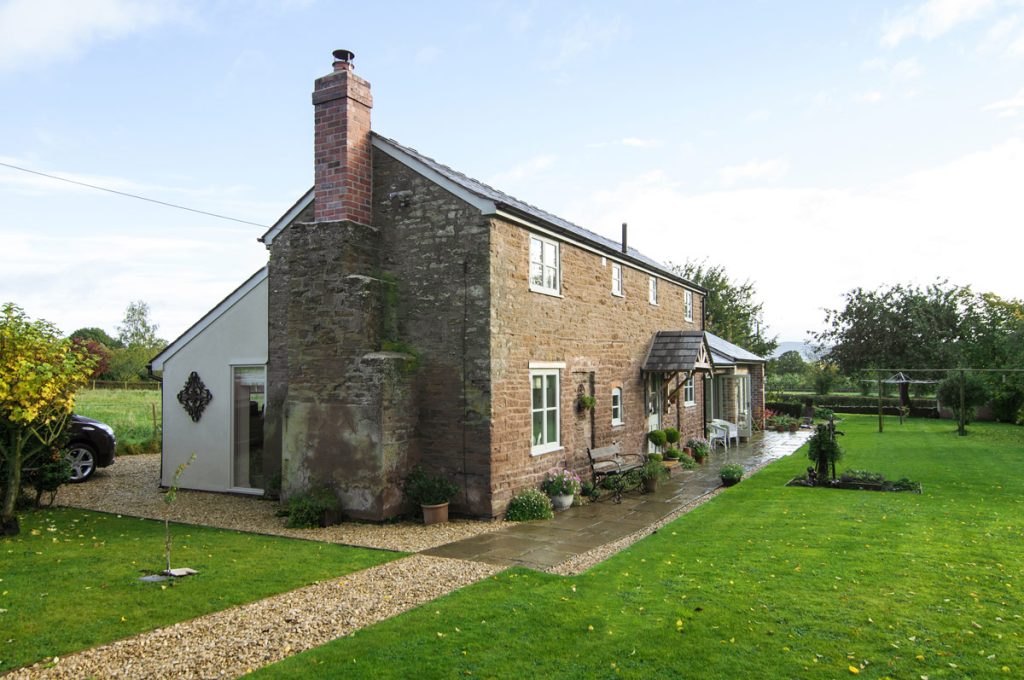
(824, 451)
(975, 395)
(39, 374)
(169, 498)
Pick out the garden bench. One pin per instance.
(609, 461)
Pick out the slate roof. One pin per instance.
(673, 351)
(734, 354)
(515, 205)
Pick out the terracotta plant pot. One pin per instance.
(793, 427)
(435, 514)
(651, 485)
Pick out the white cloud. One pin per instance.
(523, 170)
(805, 246)
(585, 35)
(872, 97)
(1007, 108)
(34, 32)
(907, 69)
(756, 169)
(634, 142)
(931, 19)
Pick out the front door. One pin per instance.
(654, 397)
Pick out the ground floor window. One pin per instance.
(617, 406)
(689, 392)
(249, 402)
(545, 411)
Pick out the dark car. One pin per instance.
(91, 445)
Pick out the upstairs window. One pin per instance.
(544, 273)
(544, 394)
(689, 392)
(652, 290)
(617, 279)
(688, 305)
(617, 406)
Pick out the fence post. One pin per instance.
(962, 431)
(881, 420)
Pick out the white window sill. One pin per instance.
(689, 403)
(246, 490)
(546, 291)
(653, 304)
(618, 424)
(621, 295)
(547, 448)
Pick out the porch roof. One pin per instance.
(678, 351)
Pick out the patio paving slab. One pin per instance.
(573, 532)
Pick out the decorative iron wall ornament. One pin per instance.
(194, 396)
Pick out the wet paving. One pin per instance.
(546, 544)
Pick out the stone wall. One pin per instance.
(331, 391)
(435, 250)
(593, 332)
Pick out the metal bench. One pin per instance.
(609, 461)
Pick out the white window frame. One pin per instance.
(652, 290)
(545, 267)
(556, 444)
(690, 392)
(688, 305)
(617, 289)
(617, 407)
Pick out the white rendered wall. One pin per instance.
(236, 338)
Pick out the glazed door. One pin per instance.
(654, 397)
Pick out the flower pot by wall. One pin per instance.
(435, 514)
(562, 501)
(650, 485)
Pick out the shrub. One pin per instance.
(700, 446)
(589, 490)
(657, 437)
(687, 463)
(655, 456)
(672, 453)
(672, 435)
(653, 469)
(823, 413)
(862, 476)
(529, 505)
(423, 489)
(560, 482)
(824, 451)
(731, 473)
(306, 510)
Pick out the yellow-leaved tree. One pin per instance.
(39, 374)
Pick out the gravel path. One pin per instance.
(130, 487)
(231, 642)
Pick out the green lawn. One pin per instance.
(69, 581)
(763, 581)
(129, 412)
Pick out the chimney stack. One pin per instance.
(341, 149)
(625, 248)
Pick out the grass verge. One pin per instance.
(70, 580)
(763, 581)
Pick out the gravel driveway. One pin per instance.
(130, 487)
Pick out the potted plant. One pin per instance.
(651, 472)
(671, 453)
(672, 436)
(700, 448)
(657, 437)
(431, 492)
(731, 474)
(562, 486)
(585, 402)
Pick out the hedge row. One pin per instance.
(919, 408)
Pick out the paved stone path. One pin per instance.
(545, 545)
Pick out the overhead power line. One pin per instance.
(136, 196)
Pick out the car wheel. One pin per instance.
(82, 458)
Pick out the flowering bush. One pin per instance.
(700, 446)
(529, 505)
(560, 482)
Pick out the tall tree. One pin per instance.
(95, 334)
(136, 330)
(731, 309)
(39, 374)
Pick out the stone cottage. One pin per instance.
(409, 314)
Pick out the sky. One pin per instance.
(810, 147)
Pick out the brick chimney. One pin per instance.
(342, 151)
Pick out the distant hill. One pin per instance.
(804, 348)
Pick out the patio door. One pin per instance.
(250, 387)
(654, 405)
(733, 402)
